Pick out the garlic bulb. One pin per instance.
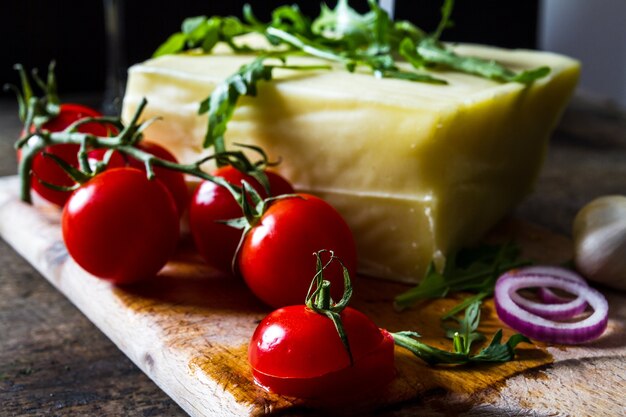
(600, 241)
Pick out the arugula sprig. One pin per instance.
(221, 104)
(204, 33)
(473, 270)
(466, 332)
(370, 40)
(462, 339)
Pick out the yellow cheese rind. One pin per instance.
(417, 170)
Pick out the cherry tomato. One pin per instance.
(46, 169)
(217, 242)
(297, 352)
(120, 226)
(174, 181)
(275, 257)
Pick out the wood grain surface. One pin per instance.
(189, 328)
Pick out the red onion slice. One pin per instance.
(553, 305)
(546, 294)
(546, 330)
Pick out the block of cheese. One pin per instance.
(417, 170)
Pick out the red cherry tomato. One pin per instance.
(174, 181)
(120, 226)
(275, 258)
(217, 242)
(297, 352)
(46, 169)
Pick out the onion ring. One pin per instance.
(553, 306)
(546, 330)
(546, 294)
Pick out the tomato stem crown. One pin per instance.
(35, 110)
(320, 301)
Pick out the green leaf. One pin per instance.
(290, 18)
(474, 269)
(464, 304)
(195, 28)
(429, 354)
(445, 22)
(411, 76)
(462, 339)
(222, 102)
(250, 18)
(433, 53)
(497, 352)
(433, 285)
(406, 30)
(408, 51)
(382, 26)
(530, 76)
(306, 46)
(232, 27)
(212, 35)
(174, 44)
(466, 332)
(343, 22)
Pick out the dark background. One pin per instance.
(72, 32)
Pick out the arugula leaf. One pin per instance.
(291, 19)
(462, 339)
(409, 76)
(446, 12)
(464, 304)
(174, 44)
(221, 104)
(303, 44)
(474, 270)
(408, 51)
(433, 53)
(466, 333)
(344, 23)
(497, 352)
(205, 33)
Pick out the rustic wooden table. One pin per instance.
(53, 361)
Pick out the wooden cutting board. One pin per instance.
(188, 330)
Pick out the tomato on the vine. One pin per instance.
(120, 226)
(295, 351)
(275, 256)
(47, 170)
(322, 349)
(211, 203)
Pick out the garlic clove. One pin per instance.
(600, 241)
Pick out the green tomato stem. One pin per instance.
(322, 300)
(123, 142)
